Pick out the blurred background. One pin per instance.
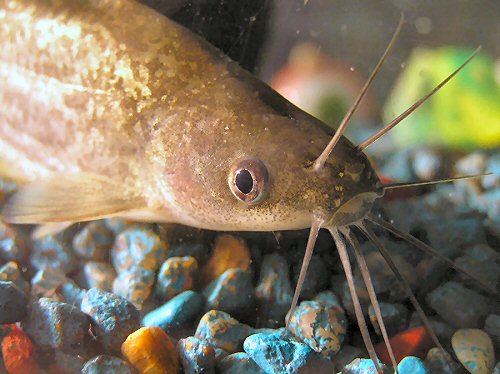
(318, 53)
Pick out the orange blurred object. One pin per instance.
(413, 342)
(229, 252)
(19, 353)
(322, 86)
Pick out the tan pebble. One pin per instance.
(474, 350)
(151, 351)
(229, 252)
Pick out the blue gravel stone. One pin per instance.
(13, 303)
(175, 312)
(319, 326)
(7, 187)
(135, 285)
(10, 273)
(52, 252)
(232, 292)
(68, 362)
(238, 363)
(427, 163)
(395, 317)
(70, 293)
(450, 237)
(220, 354)
(273, 292)
(94, 241)
(98, 275)
(346, 355)
(329, 299)
(196, 356)
(176, 275)
(316, 280)
(275, 354)
(46, 282)
(113, 317)
(57, 325)
(190, 248)
(439, 363)
(492, 328)
(398, 166)
(458, 305)
(138, 247)
(106, 364)
(362, 366)
(412, 365)
(222, 331)
(116, 224)
(492, 166)
(484, 270)
(13, 245)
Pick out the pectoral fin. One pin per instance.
(49, 229)
(70, 198)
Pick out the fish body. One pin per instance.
(111, 109)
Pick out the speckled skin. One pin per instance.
(114, 89)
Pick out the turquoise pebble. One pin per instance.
(112, 316)
(275, 353)
(56, 325)
(52, 252)
(98, 275)
(13, 244)
(94, 241)
(135, 285)
(412, 365)
(273, 292)
(10, 273)
(45, 282)
(176, 275)
(175, 312)
(138, 247)
(13, 303)
(196, 356)
(321, 326)
(231, 292)
(362, 366)
(222, 331)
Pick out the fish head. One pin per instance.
(251, 170)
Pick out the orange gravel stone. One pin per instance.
(19, 353)
(151, 351)
(229, 252)
(413, 342)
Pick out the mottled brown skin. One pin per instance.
(114, 89)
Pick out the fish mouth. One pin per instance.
(354, 210)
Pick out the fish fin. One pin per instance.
(49, 229)
(8, 173)
(70, 198)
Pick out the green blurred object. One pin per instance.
(465, 114)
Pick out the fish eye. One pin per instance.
(248, 180)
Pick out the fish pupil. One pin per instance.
(244, 181)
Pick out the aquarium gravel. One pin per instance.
(123, 297)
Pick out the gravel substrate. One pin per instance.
(121, 297)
